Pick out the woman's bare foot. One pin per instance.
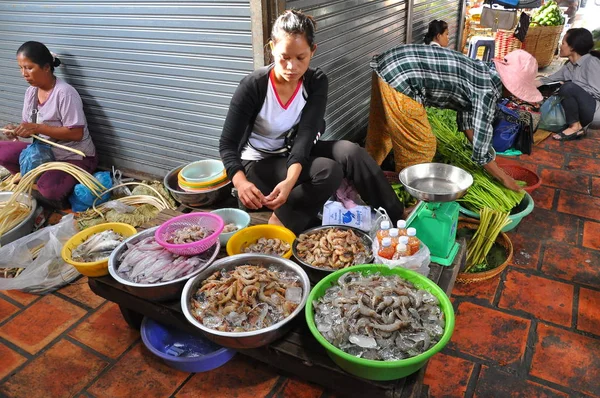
(274, 220)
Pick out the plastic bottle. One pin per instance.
(413, 241)
(401, 251)
(386, 250)
(401, 224)
(394, 235)
(384, 230)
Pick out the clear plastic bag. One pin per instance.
(418, 262)
(379, 215)
(47, 271)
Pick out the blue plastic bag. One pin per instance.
(506, 127)
(82, 198)
(553, 115)
(36, 154)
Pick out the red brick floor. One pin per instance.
(534, 331)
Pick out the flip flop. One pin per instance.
(570, 137)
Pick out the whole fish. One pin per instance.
(97, 246)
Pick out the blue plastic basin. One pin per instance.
(197, 353)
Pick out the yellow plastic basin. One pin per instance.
(249, 235)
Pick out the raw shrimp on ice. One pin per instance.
(276, 247)
(249, 297)
(190, 234)
(334, 248)
(231, 227)
(97, 246)
(379, 317)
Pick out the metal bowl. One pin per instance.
(367, 241)
(163, 291)
(436, 182)
(24, 227)
(194, 199)
(256, 338)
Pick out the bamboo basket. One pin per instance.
(502, 239)
(542, 42)
(506, 42)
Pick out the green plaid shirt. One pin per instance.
(442, 78)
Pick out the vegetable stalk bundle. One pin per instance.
(454, 148)
(490, 226)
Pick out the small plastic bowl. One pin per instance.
(200, 190)
(520, 173)
(159, 339)
(208, 184)
(249, 235)
(202, 171)
(232, 216)
(100, 267)
(209, 221)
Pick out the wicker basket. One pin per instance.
(502, 239)
(506, 42)
(542, 42)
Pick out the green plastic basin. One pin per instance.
(523, 209)
(367, 368)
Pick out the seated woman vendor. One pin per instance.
(270, 145)
(54, 111)
(411, 77)
(580, 78)
(437, 34)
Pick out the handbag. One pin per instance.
(506, 127)
(553, 115)
(506, 3)
(497, 18)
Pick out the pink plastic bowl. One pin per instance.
(206, 220)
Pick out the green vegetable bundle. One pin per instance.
(490, 225)
(454, 148)
(548, 15)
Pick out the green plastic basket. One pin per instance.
(380, 370)
(523, 209)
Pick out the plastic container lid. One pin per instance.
(385, 242)
(403, 239)
(385, 224)
(411, 232)
(401, 224)
(394, 232)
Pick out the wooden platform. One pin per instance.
(298, 352)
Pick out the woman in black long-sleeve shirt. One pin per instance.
(270, 142)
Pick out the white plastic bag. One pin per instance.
(48, 271)
(334, 213)
(418, 262)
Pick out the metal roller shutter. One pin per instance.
(156, 77)
(349, 33)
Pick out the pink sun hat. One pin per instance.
(518, 71)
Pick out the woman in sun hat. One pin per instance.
(411, 77)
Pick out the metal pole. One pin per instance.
(409, 20)
(461, 25)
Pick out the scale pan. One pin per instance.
(436, 182)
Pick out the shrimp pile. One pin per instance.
(246, 298)
(276, 247)
(231, 227)
(332, 248)
(190, 234)
(379, 317)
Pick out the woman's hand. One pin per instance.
(26, 130)
(9, 131)
(499, 174)
(279, 195)
(250, 196)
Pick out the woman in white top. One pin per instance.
(270, 141)
(437, 34)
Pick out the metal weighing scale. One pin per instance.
(436, 186)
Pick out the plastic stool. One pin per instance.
(487, 43)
